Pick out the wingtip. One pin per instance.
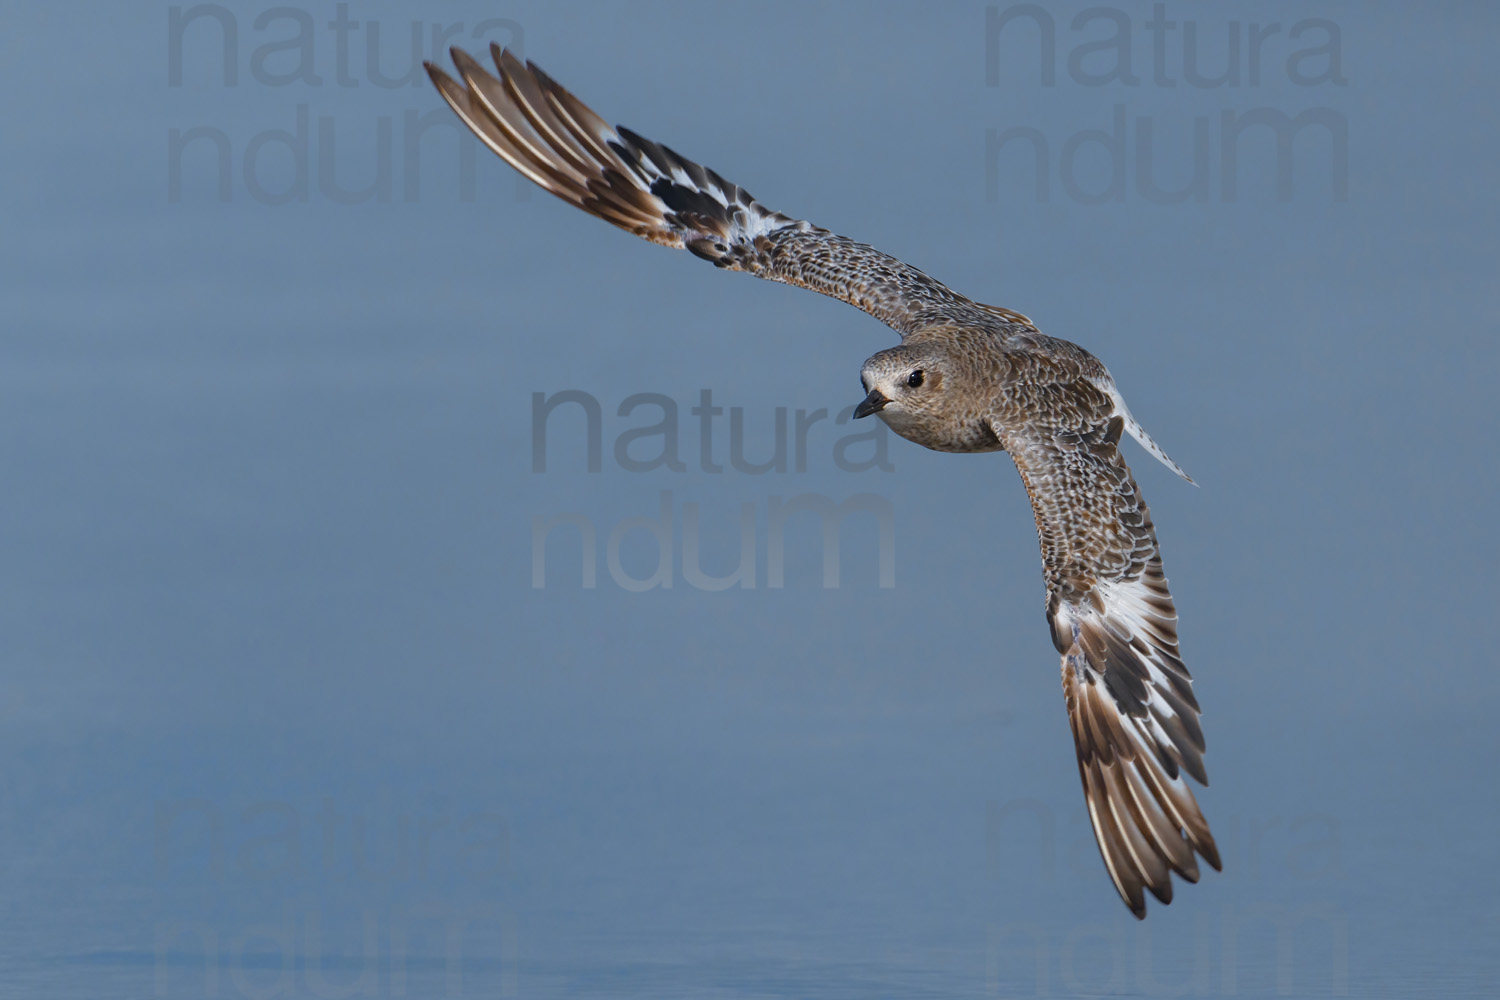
(506, 61)
(465, 63)
(1134, 899)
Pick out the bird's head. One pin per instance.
(902, 384)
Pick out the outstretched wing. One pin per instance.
(1130, 698)
(645, 188)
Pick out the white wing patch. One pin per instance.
(1135, 725)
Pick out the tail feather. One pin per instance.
(1138, 432)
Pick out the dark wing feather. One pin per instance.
(647, 189)
(1130, 698)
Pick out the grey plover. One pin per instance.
(966, 377)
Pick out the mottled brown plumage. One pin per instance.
(967, 377)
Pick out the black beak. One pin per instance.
(874, 403)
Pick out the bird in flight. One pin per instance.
(966, 377)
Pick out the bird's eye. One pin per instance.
(915, 378)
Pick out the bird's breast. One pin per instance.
(942, 434)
